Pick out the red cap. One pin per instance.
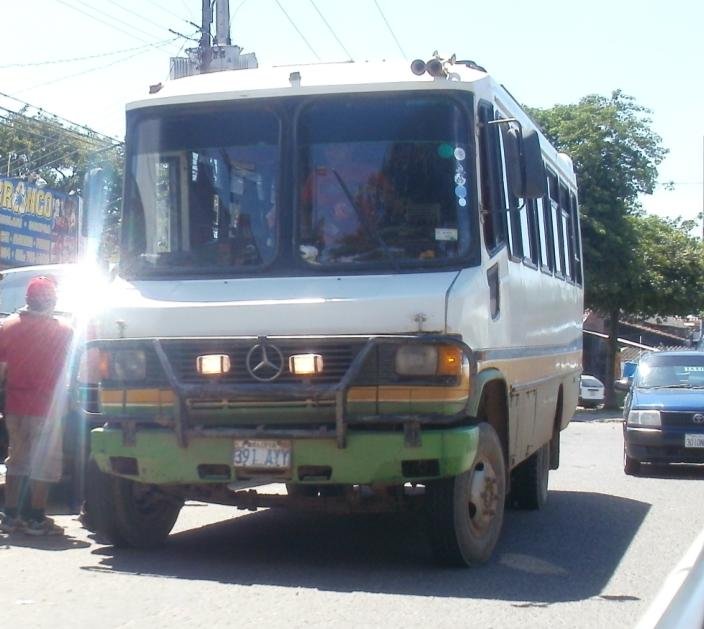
(41, 293)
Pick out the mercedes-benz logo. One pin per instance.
(698, 418)
(265, 362)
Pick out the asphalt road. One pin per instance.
(595, 556)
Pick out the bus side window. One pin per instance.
(548, 226)
(557, 236)
(515, 233)
(491, 175)
(565, 224)
(532, 230)
(574, 235)
(542, 234)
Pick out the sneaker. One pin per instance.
(11, 525)
(47, 526)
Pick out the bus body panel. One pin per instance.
(534, 348)
(340, 305)
(369, 457)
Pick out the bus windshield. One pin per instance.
(383, 179)
(361, 182)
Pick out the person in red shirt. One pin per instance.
(34, 348)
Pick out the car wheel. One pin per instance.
(631, 466)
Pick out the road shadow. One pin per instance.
(597, 415)
(51, 542)
(566, 552)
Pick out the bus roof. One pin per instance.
(343, 78)
(302, 79)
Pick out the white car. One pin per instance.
(591, 392)
(79, 287)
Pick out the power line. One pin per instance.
(34, 126)
(10, 123)
(137, 15)
(383, 17)
(84, 58)
(60, 119)
(297, 30)
(165, 10)
(237, 8)
(112, 17)
(334, 34)
(93, 69)
(93, 17)
(53, 152)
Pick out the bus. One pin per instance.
(360, 281)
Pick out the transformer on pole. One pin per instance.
(213, 54)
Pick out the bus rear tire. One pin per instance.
(126, 513)
(466, 512)
(529, 481)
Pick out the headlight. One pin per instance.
(428, 360)
(645, 418)
(127, 365)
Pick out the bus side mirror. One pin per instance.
(513, 160)
(94, 202)
(534, 176)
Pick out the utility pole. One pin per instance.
(222, 23)
(206, 52)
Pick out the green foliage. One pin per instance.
(670, 268)
(616, 154)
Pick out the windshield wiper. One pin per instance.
(372, 233)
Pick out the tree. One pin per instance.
(629, 261)
(669, 273)
(40, 147)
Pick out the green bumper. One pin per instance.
(369, 457)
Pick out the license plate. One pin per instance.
(260, 454)
(693, 441)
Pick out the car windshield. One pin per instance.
(680, 371)
(364, 182)
(590, 381)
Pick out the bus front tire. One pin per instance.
(466, 511)
(529, 481)
(127, 513)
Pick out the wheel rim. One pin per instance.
(483, 500)
(147, 502)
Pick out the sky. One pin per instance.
(105, 53)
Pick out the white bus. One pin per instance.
(361, 280)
